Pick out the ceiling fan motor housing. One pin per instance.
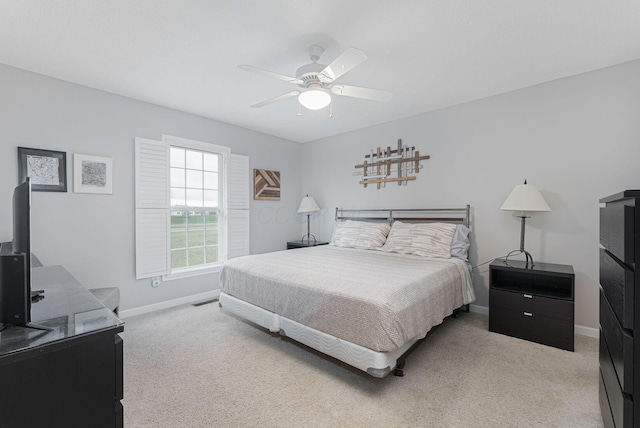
(309, 74)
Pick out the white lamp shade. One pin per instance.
(525, 197)
(308, 205)
(315, 99)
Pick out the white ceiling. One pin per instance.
(430, 53)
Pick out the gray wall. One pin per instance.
(577, 139)
(93, 235)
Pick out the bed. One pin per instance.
(360, 299)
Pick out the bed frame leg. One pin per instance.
(398, 371)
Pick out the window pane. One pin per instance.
(194, 197)
(194, 182)
(211, 254)
(178, 220)
(211, 236)
(178, 259)
(211, 198)
(196, 219)
(196, 237)
(211, 219)
(196, 256)
(210, 162)
(177, 157)
(210, 180)
(194, 179)
(178, 239)
(194, 160)
(177, 196)
(177, 177)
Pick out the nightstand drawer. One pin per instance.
(617, 284)
(619, 344)
(531, 304)
(536, 328)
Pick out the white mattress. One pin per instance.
(377, 300)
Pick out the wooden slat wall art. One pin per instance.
(266, 185)
(379, 165)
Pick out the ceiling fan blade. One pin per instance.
(284, 77)
(276, 99)
(364, 93)
(347, 61)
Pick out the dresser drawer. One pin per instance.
(617, 231)
(619, 344)
(605, 410)
(531, 304)
(620, 405)
(616, 280)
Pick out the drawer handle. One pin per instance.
(528, 296)
(529, 314)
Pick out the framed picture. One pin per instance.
(266, 185)
(92, 174)
(47, 169)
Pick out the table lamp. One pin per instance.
(524, 198)
(307, 206)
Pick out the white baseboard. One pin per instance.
(479, 309)
(169, 304)
(578, 329)
(587, 331)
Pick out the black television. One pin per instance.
(15, 264)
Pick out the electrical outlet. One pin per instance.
(155, 281)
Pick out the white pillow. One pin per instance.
(421, 239)
(360, 234)
(460, 245)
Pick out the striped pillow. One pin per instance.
(360, 234)
(421, 239)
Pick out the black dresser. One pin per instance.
(70, 376)
(620, 309)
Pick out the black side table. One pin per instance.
(535, 304)
(302, 244)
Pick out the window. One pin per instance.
(192, 207)
(195, 199)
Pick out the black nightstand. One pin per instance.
(299, 244)
(534, 304)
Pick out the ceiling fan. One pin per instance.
(317, 81)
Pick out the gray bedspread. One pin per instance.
(374, 299)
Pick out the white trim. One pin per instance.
(479, 309)
(578, 329)
(587, 331)
(194, 144)
(194, 271)
(169, 304)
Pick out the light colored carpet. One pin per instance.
(201, 367)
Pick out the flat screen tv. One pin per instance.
(15, 264)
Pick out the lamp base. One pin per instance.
(309, 235)
(528, 259)
(308, 239)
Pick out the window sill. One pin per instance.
(188, 273)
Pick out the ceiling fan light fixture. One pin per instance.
(314, 99)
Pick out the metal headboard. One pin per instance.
(447, 215)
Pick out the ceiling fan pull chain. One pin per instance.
(331, 111)
(299, 110)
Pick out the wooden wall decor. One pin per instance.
(266, 185)
(389, 166)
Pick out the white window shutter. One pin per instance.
(152, 208)
(238, 220)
